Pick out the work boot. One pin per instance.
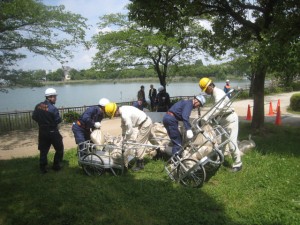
(57, 167)
(139, 165)
(43, 169)
(142, 165)
(236, 169)
(158, 154)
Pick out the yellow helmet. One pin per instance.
(110, 109)
(204, 83)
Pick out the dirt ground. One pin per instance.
(18, 144)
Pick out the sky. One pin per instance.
(90, 9)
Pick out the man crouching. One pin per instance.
(132, 119)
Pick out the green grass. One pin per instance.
(266, 191)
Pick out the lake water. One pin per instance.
(72, 95)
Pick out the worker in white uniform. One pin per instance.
(229, 119)
(132, 119)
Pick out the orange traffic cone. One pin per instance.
(278, 104)
(278, 116)
(249, 117)
(271, 113)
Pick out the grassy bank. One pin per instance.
(266, 191)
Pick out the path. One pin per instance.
(24, 143)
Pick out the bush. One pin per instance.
(173, 101)
(288, 89)
(295, 102)
(296, 86)
(243, 94)
(71, 116)
(273, 90)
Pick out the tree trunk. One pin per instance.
(258, 97)
(251, 85)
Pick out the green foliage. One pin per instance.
(129, 44)
(71, 116)
(243, 94)
(57, 75)
(296, 86)
(41, 29)
(269, 178)
(273, 89)
(174, 100)
(295, 102)
(266, 32)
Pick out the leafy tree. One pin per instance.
(45, 30)
(57, 75)
(75, 75)
(39, 75)
(265, 26)
(128, 44)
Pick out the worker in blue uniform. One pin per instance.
(89, 120)
(181, 111)
(47, 116)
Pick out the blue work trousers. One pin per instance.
(80, 133)
(48, 137)
(171, 124)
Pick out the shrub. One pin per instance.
(71, 116)
(174, 100)
(295, 102)
(296, 86)
(288, 89)
(243, 94)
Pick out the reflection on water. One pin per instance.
(71, 95)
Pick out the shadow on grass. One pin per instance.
(71, 197)
(281, 140)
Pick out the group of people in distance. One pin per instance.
(159, 101)
(135, 123)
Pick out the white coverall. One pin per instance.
(230, 121)
(133, 119)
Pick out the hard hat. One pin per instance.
(227, 81)
(161, 88)
(50, 91)
(103, 102)
(110, 109)
(201, 99)
(204, 83)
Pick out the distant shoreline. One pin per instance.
(131, 80)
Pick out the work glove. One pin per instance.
(189, 134)
(97, 125)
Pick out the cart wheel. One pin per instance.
(195, 177)
(92, 165)
(211, 168)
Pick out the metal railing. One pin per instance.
(22, 120)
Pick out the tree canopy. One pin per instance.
(127, 44)
(262, 29)
(45, 30)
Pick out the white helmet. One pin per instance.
(227, 81)
(161, 88)
(50, 92)
(201, 99)
(103, 102)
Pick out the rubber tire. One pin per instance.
(212, 168)
(96, 167)
(196, 178)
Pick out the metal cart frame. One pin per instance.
(194, 173)
(96, 159)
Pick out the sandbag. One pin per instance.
(97, 137)
(159, 132)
